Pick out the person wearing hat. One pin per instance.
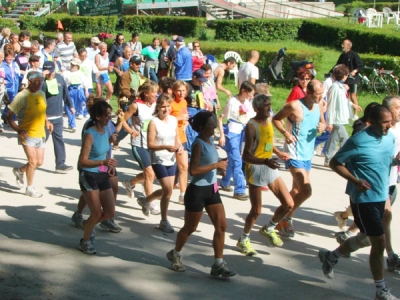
(22, 59)
(30, 106)
(56, 92)
(183, 61)
(47, 53)
(78, 90)
(129, 85)
(94, 48)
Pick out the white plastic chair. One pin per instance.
(371, 18)
(396, 20)
(388, 14)
(238, 59)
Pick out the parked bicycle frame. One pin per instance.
(381, 82)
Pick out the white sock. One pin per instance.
(177, 253)
(271, 225)
(182, 194)
(218, 261)
(390, 255)
(245, 236)
(380, 286)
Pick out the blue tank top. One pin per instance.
(304, 132)
(125, 65)
(100, 146)
(209, 155)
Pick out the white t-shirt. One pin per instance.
(393, 171)
(145, 115)
(88, 68)
(247, 71)
(74, 78)
(91, 53)
(165, 135)
(237, 114)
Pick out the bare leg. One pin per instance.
(192, 219)
(281, 192)
(216, 212)
(301, 189)
(182, 160)
(386, 221)
(35, 158)
(255, 210)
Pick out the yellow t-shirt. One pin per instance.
(31, 111)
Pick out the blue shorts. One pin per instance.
(185, 146)
(162, 171)
(298, 164)
(142, 156)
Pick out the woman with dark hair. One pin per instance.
(95, 167)
(201, 193)
(163, 143)
(134, 44)
(300, 90)
(198, 59)
(116, 49)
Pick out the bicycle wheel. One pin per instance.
(385, 85)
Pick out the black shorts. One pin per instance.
(90, 181)
(368, 217)
(162, 171)
(198, 197)
(352, 88)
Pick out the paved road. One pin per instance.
(39, 257)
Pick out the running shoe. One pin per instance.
(19, 177)
(285, 228)
(327, 265)
(222, 270)
(176, 261)
(241, 197)
(342, 236)
(87, 247)
(340, 220)
(77, 219)
(181, 200)
(142, 201)
(394, 263)
(226, 188)
(246, 248)
(385, 295)
(92, 234)
(273, 237)
(128, 188)
(154, 208)
(166, 226)
(110, 226)
(32, 192)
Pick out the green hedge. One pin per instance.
(257, 30)
(76, 24)
(7, 23)
(388, 62)
(185, 26)
(325, 32)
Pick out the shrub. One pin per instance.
(257, 30)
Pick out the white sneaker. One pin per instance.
(128, 188)
(154, 208)
(166, 226)
(181, 200)
(32, 192)
(385, 295)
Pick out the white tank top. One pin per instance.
(103, 63)
(165, 135)
(141, 123)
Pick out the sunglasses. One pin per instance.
(196, 46)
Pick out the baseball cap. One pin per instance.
(26, 44)
(135, 59)
(95, 40)
(49, 66)
(199, 74)
(180, 39)
(76, 61)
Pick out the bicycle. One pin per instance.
(380, 81)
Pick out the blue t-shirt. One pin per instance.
(100, 146)
(209, 155)
(368, 158)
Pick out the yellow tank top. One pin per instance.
(35, 116)
(263, 145)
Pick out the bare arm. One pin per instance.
(151, 139)
(85, 162)
(361, 185)
(218, 84)
(277, 121)
(194, 167)
(221, 131)
(128, 114)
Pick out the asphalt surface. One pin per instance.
(39, 257)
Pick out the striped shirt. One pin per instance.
(66, 53)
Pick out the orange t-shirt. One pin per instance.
(177, 110)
